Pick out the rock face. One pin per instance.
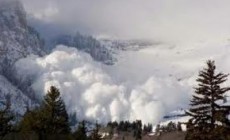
(17, 39)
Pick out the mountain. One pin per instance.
(127, 45)
(102, 50)
(10, 93)
(17, 40)
(88, 44)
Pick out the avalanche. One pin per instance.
(93, 94)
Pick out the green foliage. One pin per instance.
(50, 118)
(5, 121)
(148, 128)
(81, 132)
(179, 128)
(32, 121)
(21, 136)
(112, 124)
(95, 133)
(134, 128)
(35, 136)
(54, 113)
(138, 130)
(170, 127)
(205, 110)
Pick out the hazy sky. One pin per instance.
(165, 20)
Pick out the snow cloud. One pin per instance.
(164, 20)
(94, 94)
(141, 85)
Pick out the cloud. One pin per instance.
(164, 20)
(93, 93)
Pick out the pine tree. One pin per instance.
(6, 119)
(55, 114)
(138, 130)
(147, 128)
(171, 126)
(81, 132)
(204, 109)
(95, 133)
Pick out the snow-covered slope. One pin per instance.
(126, 45)
(10, 94)
(17, 39)
(88, 44)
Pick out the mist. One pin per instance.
(178, 21)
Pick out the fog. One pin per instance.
(177, 21)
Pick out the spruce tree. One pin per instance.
(48, 119)
(55, 114)
(205, 109)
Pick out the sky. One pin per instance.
(174, 21)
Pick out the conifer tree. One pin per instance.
(205, 109)
(55, 114)
(6, 119)
(32, 121)
(179, 128)
(138, 130)
(95, 133)
(81, 132)
(147, 128)
(51, 118)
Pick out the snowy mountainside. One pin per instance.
(17, 39)
(19, 102)
(102, 50)
(87, 44)
(127, 45)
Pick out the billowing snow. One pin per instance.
(145, 84)
(96, 95)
